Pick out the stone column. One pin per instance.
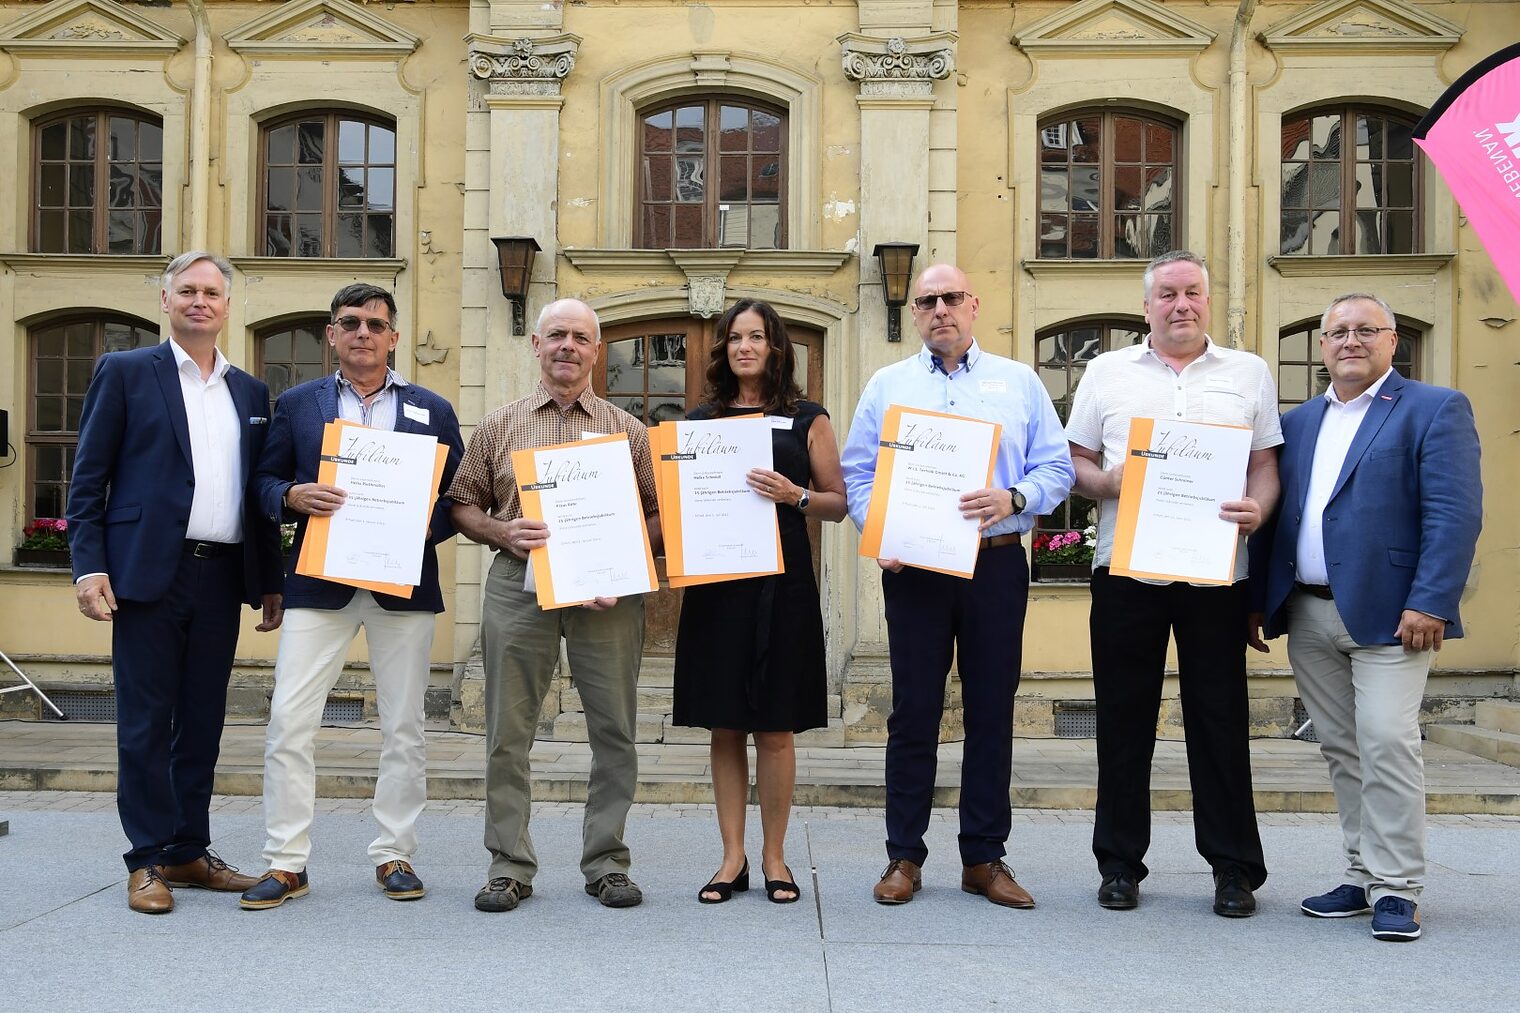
(897, 78)
(511, 189)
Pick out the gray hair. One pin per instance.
(1175, 257)
(179, 264)
(547, 311)
(1393, 321)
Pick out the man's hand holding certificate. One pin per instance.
(926, 462)
(1177, 477)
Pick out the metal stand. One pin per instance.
(28, 684)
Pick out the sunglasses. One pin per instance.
(927, 302)
(374, 325)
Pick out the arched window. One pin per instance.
(292, 352)
(98, 181)
(1301, 373)
(62, 360)
(1064, 352)
(1109, 186)
(327, 186)
(1340, 198)
(711, 173)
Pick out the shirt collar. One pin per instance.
(392, 379)
(219, 365)
(541, 397)
(933, 364)
(1141, 350)
(1369, 393)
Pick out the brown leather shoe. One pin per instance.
(995, 881)
(147, 893)
(901, 880)
(208, 872)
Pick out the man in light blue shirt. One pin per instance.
(932, 616)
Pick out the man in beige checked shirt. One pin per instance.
(604, 639)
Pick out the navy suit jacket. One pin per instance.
(1403, 518)
(130, 493)
(292, 455)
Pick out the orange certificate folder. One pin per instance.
(663, 446)
(1175, 476)
(623, 522)
(930, 528)
(313, 555)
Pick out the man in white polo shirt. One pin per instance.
(1176, 373)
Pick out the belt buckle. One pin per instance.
(202, 550)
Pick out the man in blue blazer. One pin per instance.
(324, 616)
(1363, 568)
(166, 547)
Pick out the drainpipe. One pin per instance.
(200, 128)
(1239, 176)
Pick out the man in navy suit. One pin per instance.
(323, 616)
(166, 547)
(1364, 568)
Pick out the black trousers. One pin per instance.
(932, 618)
(171, 660)
(1130, 624)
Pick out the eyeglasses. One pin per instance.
(927, 302)
(373, 324)
(1362, 333)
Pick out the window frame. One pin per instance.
(712, 155)
(332, 120)
(1107, 214)
(100, 210)
(34, 437)
(1347, 209)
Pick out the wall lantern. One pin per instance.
(896, 261)
(515, 263)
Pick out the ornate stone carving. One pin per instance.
(705, 294)
(928, 58)
(94, 30)
(493, 59)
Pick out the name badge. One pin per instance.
(993, 386)
(1220, 383)
(779, 421)
(416, 413)
(587, 434)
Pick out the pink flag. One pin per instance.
(1472, 134)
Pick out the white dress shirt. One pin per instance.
(1032, 456)
(1337, 430)
(216, 508)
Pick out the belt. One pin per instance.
(210, 550)
(998, 541)
(1320, 591)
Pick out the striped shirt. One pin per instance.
(485, 477)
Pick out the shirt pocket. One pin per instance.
(1216, 404)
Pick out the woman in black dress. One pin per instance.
(749, 653)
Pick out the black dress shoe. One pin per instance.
(275, 888)
(1232, 895)
(399, 881)
(1119, 893)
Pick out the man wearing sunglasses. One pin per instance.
(1364, 566)
(931, 615)
(322, 617)
(1177, 372)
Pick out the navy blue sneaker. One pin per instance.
(1395, 920)
(1342, 902)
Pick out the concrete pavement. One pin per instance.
(70, 943)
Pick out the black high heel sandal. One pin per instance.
(739, 884)
(775, 886)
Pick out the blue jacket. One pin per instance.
(1402, 522)
(291, 457)
(130, 493)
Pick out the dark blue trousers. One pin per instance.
(932, 618)
(171, 660)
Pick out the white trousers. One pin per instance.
(313, 643)
(1365, 702)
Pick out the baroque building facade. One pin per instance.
(667, 157)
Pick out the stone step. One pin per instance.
(1502, 747)
(1499, 715)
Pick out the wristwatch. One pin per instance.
(1019, 502)
(803, 501)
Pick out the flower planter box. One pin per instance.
(1066, 573)
(55, 558)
